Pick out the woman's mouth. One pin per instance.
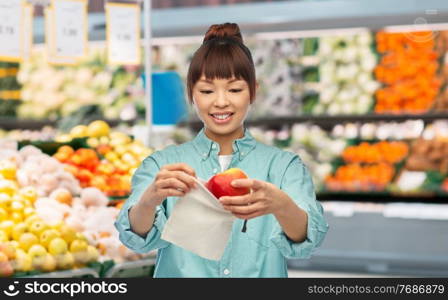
(222, 117)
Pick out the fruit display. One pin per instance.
(356, 177)
(27, 241)
(33, 168)
(346, 84)
(408, 70)
(368, 166)
(110, 163)
(220, 184)
(428, 155)
(388, 152)
(48, 218)
(316, 148)
(118, 91)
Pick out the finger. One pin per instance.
(249, 216)
(172, 183)
(185, 178)
(244, 209)
(172, 193)
(248, 183)
(237, 200)
(180, 175)
(242, 182)
(180, 167)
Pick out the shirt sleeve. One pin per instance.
(141, 179)
(298, 184)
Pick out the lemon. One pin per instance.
(6, 226)
(18, 230)
(98, 128)
(27, 240)
(57, 246)
(78, 131)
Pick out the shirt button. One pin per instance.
(226, 272)
(242, 153)
(214, 146)
(204, 154)
(215, 170)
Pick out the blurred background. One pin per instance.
(358, 89)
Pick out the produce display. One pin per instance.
(108, 164)
(389, 152)
(27, 241)
(408, 70)
(316, 147)
(346, 84)
(117, 91)
(357, 177)
(368, 157)
(53, 220)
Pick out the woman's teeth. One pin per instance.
(222, 117)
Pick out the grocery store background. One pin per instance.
(359, 89)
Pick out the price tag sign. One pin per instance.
(68, 37)
(11, 23)
(28, 11)
(123, 33)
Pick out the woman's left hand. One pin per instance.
(264, 199)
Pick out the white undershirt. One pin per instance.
(224, 161)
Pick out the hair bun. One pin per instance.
(226, 30)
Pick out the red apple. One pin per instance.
(220, 184)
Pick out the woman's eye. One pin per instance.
(206, 91)
(235, 90)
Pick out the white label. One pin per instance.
(11, 29)
(123, 33)
(69, 28)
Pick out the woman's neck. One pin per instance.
(225, 141)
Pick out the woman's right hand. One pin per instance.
(173, 180)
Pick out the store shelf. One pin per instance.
(279, 16)
(327, 122)
(374, 243)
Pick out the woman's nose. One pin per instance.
(221, 100)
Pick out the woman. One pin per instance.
(286, 220)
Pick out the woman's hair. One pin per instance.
(222, 55)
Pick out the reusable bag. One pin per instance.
(199, 223)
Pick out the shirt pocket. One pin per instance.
(259, 230)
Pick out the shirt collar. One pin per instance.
(241, 146)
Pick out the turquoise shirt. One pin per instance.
(259, 252)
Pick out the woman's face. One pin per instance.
(222, 105)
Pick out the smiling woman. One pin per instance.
(286, 221)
